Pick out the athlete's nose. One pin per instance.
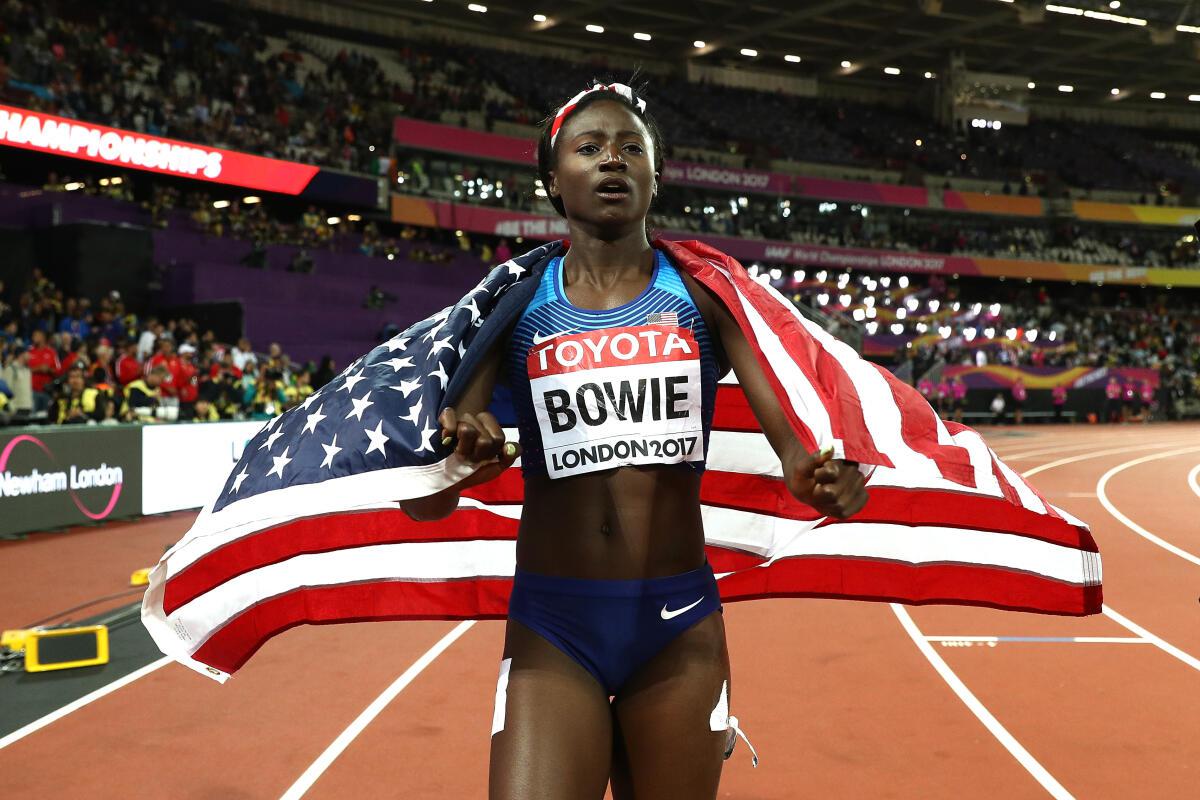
(613, 160)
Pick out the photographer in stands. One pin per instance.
(78, 403)
(143, 400)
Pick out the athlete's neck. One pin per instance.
(606, 262)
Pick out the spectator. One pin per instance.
(19, 377)
(44, 364)
(129, 368)
(186, 380)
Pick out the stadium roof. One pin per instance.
(1135, 46)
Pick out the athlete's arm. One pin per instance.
(478, 438)
(831, 486)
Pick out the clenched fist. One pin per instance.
(832, 486)
(478, 438)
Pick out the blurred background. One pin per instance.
(209, 209)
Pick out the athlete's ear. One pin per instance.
(654, 187)
(552, 189)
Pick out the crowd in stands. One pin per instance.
(150, 65)
(932, 322)
(65, 360)
(143, 65)
(834, 224)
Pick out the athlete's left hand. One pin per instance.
(832, 486)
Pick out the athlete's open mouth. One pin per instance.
(613, 188)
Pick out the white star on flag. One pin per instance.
(314, 419)
(414, 413)
(399, 343)
(331, 450)
(408, 387)
(473, 307)
(237, 482)
(440, 374)
(351, 380)
(515, 269)
(398, 364)
(441, 344)
(280, 462)
(271, 439)
(360, 405)
(378, 439)
(308, 401)
(426, 440)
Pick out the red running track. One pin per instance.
(838, 697)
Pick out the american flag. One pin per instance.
(662, 318)
(308, 529)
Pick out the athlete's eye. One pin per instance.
(634, 148)
(587, 149)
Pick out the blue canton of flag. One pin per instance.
(381, 412)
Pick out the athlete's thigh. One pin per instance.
(556, 731)
(663, 712)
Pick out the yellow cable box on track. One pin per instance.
(59, 648)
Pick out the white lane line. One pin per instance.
(1041, 639)
(1126, 521)
(1194, 479)
(1085, 456)
(1045, 451)
(91, 697)
(1018, 751)
(335, 749)
(1165, 646)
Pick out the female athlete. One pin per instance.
(615, 667)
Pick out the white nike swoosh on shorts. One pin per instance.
(673, 614)
(539, 339)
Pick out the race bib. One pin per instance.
(617, 397)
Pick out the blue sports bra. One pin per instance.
(595, 390)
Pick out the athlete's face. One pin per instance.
(605, 168)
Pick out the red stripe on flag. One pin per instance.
(368, 601)
(325, 534)
(863, 579)
(732, 411)
(763, 494)
(918, 429)
(487, 598)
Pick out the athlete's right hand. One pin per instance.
(832, 486)
(479, 439)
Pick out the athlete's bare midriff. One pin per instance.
(626, 523)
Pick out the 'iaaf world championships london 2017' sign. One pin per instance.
(32, 130)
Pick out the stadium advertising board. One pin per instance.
(421, 135)
(503, 222)
(999, 376)
(186, 465)
(45, 133)
(70, 475)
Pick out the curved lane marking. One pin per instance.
(1193, 479)
(1015, 748)
(1093, 454)
(1126, 521)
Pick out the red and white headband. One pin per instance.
(620, 88)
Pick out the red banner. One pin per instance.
(45, 133)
